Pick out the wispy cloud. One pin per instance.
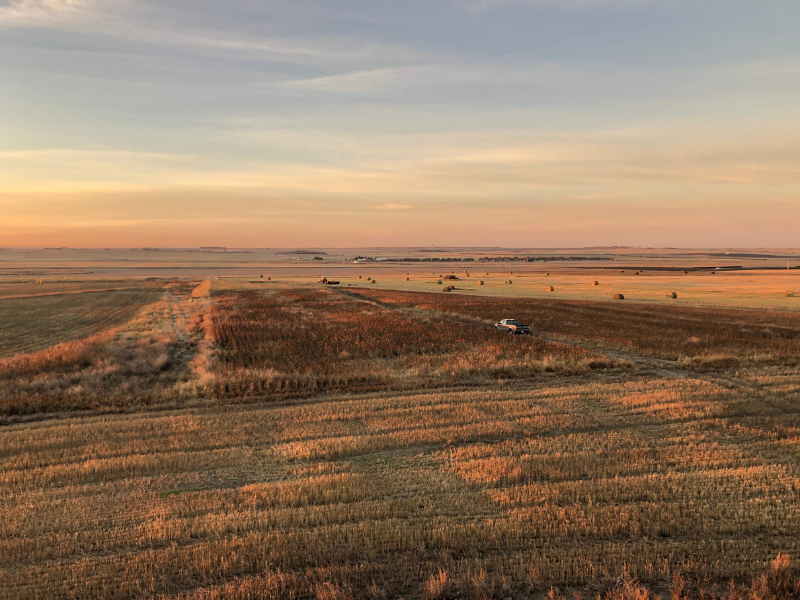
(46, 13)
(169, 26)
(391, 206)
(566, 5)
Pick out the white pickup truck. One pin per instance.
(512, 326)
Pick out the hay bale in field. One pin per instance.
(547, 274)
(261, 277)
(407, 278)
(595, 283)
(369, 278)
(790, 294)
(373, 281)
(672, 295)
(550, 288)
(269, 278)
(508, 281)
(619, 297)
(480, 282)
(359, 276)
(439, 282)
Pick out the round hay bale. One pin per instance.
(508, 281)
(369, 278)
(619, 297)
(485, 273)
(261, 277)
(407, 278)
(550, 288)
(547, 274)
(439, 282)
(269, 278)
(672, 295)
(480, 282)
(595, 283)
(373, 281)
(790, 294)
(359, 276)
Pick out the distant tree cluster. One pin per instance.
(538, 258)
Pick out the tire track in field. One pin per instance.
(664, 368)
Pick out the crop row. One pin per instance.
(700, 336)
(311, 340)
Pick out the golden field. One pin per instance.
(253, 438)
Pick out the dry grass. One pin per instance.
(141, 362)
(35, 323)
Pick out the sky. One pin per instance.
(520, 123)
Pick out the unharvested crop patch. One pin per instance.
(698, 337)
(299, 341)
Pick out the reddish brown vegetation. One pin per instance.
(716, 337)
(300, 341)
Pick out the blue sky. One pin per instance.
(462, 122)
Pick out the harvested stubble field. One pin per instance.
(460, 462)
(33, 322)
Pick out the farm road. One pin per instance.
(659, 366)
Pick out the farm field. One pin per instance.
(249, 438)
(38, 319)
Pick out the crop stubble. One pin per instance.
(571, 480)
